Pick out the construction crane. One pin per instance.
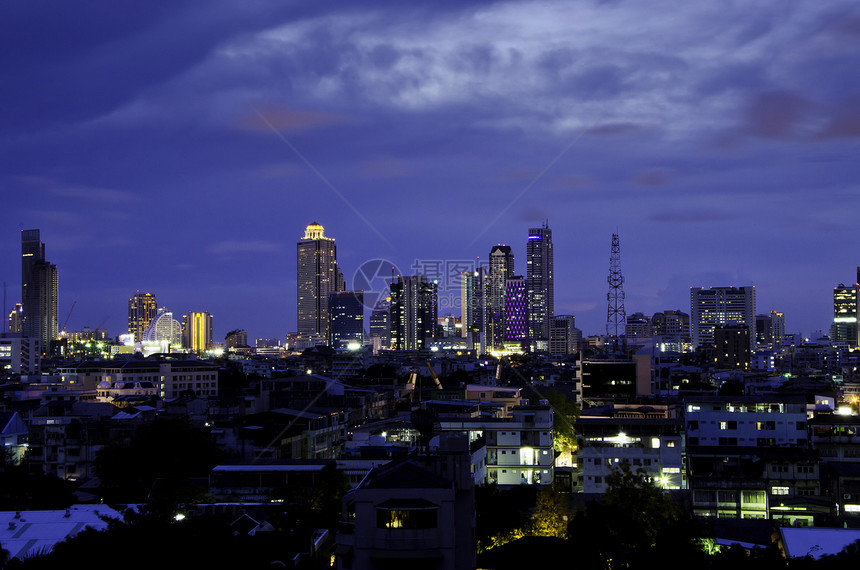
(69, 315)
(433, 374)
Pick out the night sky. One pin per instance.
(181, 147)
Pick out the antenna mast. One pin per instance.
(616, 317)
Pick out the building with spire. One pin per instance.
(501, 269)
(317, 276)
(38, 291)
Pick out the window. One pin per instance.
(767, 426)
(729, 425)
(779, 490)
(692, 425)
(670, 444)
(406, 518)
(671, 470)
(801, 426)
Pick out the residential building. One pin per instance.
(38, 291)
(318, 276)
(142, 308)
(539, 287)
(19, 354)
(237, 338)
(715, 306)
(564, 337)
(380, 324)
(413, 312)
(732, 347)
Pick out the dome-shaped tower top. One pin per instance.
(314, 231)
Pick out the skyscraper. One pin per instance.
(38, 291)
(413, 312)
(197, 331)
(346, 318)
(15, 317)
(318, 276)
(539, 287)
(844, 328)
(714, 306)
(516, 311)
(473, 296)
(141, 310)
(501, 269)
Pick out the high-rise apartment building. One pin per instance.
(413, 312)
(163, 328)
(318, 276)
(777, 325)
(719, 306)
(142, 308)
(844, 328)
(237, 338)
(564, 337)
(197, 331)
(346, 318)
(516, 311)
(473, 304)
(539, 287)
(501, 269)
(38, 291)
(380, 324)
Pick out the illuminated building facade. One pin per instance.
(539, 287)
(516, 310)
(474, 306)
(380, 324)
(38, 291)
(844, 328)
(501, 269)
(16, 316)
(197, 331)
(163, 328)
(318, 276)
(564, 337)
(732, 347)
(141, 310)
(346, 318)
(720, 306)
(237, 338)
(413, 312)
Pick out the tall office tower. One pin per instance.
(318, 276)
(616, 316)
(501, 269)
(563, 337)
(713, 306)
(763, 331)
(141, 310)
(539, 287)
(473, 288)
(777, 324)
(237, 338)
(380, 324)
(346, 318)
(413, 312)
(197, 331)
(517, 311)
(16, 318)
(38, 291)
(844, 328)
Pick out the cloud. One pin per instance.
(265, 117)
(843, 120)
(386, 167)
(75, 191)
(572, 181)
(234, 247)
(776, 114)
(691, 215)
(653, 177)
(614, 129)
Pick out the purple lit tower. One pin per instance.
(516, 310)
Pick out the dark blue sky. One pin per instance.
(159, 148)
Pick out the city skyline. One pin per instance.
(723, 158)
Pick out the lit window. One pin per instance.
(779, 491)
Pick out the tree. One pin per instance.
(636, 525)
(550, 517)
(565, 413)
